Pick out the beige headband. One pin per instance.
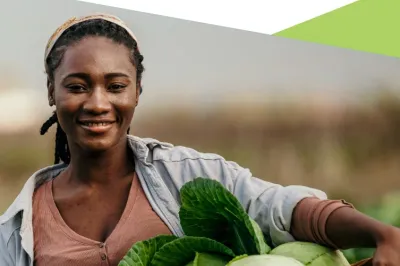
(73, 21)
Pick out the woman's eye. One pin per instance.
(116, 87)
(76, 88)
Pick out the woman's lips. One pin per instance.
(96, 126)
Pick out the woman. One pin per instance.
(113, 189)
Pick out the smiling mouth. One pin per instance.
(96, 127)
(95, 124)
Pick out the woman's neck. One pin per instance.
(101, 168)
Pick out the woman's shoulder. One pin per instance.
(9, 226)
(168, 152)
(185, 161)
(181, 153)
(23, 201)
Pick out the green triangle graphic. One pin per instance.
(366, 25)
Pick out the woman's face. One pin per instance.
(95, 93)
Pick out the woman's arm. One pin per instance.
(337, 224)
(349, 228)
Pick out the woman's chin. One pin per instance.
(97, 145)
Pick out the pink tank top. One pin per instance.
(57, 244)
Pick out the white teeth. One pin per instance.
(96, 124)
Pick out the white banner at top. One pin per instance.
(262, 16)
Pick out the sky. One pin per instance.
(201, 64)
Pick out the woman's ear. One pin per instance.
(50, 92)
(138, 92)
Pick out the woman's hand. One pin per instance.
(388, 248)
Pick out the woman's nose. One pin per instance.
(97, 102)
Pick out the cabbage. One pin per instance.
(204, 259)
(210, 210)
(142, 252)
(264, 260)
(184, 250)
(170, 250)
(219, 232)
(311, 254)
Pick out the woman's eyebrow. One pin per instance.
(87, 76)
(76, 75)
(116, 75)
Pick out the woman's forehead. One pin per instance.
(97, 55)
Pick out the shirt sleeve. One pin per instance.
(270, 205)
(6, 258)
(310, 218)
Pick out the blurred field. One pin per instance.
(349, 151)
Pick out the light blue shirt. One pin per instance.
(162, 170)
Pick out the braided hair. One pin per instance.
(75, 33)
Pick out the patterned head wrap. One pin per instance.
(73, 21)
